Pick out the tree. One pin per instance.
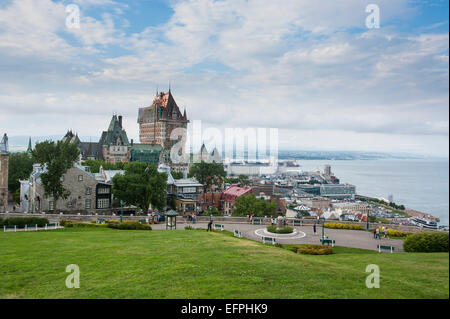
(249, 204)
(208, 174)
(94, 165)
(177, 175)
(243, 180)
(57, 158)
(141, 185)
(20, 167)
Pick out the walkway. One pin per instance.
(305, 235)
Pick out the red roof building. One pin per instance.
(230, 195)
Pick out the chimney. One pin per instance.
(132, 142)
(120, 121)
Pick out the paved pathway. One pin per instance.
(305, 235)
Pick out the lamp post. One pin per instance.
(121, 210)
(323, 227)
(210, 213)
(368, 214)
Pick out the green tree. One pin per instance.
(20, 167)
(177, 175)
(249, 204)
(141, 185)
(208, 174)
(58, 158)
(243, 180)
(94, 165)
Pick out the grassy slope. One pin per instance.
(196, 264)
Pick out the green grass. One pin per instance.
(197, 264)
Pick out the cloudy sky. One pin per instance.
(310, 68)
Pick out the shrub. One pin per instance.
(129, 225)
(188, 228)
(397, 233)
(66, 223)
(20, 222)
(314, 249)
(284, 230)
(426, 242)
(343, 226)
(86, 225)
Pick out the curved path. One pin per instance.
(305, 235)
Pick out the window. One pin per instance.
(80, 178)
(51, 205)
(102, 203)
(103, 190)
(88, 191)
(87, 204)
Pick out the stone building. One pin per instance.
(87, 193)
(4, 165)
(112, 147)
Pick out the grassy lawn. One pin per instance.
(197, 264)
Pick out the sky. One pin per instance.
(312, 69)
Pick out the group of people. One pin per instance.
(192, 218)
(379, 232)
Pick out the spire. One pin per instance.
(169, 86)
(184, 114)
(29, 146)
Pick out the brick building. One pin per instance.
(230, 195)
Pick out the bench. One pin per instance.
(100, 220)
(54, 225)
(297, 222)
(256, 220)
(328, 242)
(269, 240)
(219, 227)
(381, 247)
(237, 233)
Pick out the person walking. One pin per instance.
(315, 228)
(378, 233)
(375, 233)
(210, 225)
(194, 219)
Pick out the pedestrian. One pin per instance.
(14, 208)
(375, 233)
(378, 233)
(210, 225)
(315, 228)
(194, 219)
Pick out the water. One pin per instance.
(422, 185)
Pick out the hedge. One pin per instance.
(343, 226)
(284, 230)
(20, 222)
(426, 242)
(314, 249)
(128, 225)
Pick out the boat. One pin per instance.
(424, 223)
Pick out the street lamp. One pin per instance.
(323, 227)
(121, 210)
(210, 213)
(368, 214)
